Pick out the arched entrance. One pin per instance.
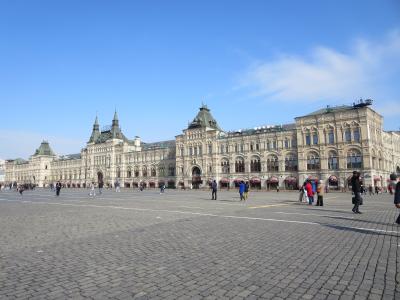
(196, 177)
(99, 177)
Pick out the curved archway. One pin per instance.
(196, 177)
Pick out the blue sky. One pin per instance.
(252, 62)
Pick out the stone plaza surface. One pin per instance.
(182, 245)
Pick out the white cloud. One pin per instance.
(17, 143)
(327, 74)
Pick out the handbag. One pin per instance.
(354, 201)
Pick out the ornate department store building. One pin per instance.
(328, 144)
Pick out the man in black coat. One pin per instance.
(214, 188)
(397, 199)
(58, 188)
(356, 188)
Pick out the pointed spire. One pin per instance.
(96, 131)
(115, 130)
(115, 122)
(96, 122)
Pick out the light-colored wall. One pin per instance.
(380, 152)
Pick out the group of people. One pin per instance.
(311, 188)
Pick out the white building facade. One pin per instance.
(327, 145)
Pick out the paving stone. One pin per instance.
(142, 246)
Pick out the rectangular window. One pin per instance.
(195, 150)
(181, 151)
(236, 148)
(251, 147)
(315, 139)
(331, 137)
(308, 140)
(268, 145)
(190, 151)
(242, 148)
(286, 144)
(222, 149)
(258, 147)
(347, 135)
(356, 134)
(274, 145)
(200, 150)
(227, 149)
(209, 149)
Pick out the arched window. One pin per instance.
(136, 172)
(129, 173)
(153, 171)
(290, 163)
(225, 166)
(272, 163)
(333, 161)
(255, 164)
(118, 173)
(313, 162)
(239, 165)
(354, 159)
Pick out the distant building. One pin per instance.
(2, 171)
(327, 145)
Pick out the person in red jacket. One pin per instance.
(310, 193)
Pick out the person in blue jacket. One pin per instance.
(242, 187)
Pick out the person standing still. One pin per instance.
(397, 199)
(310, 193)
(320, 193)
(214, 188)
(355, 187)
(58, 188)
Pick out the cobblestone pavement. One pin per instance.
(182, 245)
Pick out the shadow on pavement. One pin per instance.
(359, 230)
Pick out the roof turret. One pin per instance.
(204, 119)
(44, 149)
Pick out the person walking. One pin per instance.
(20, 189)
(355, 187)
(310, 193)
(242, 187)
(214, 188)
(370, 190)
(101, 185)
(58, 188)
(320, 193)
(397, 199)
(92, 190)
(246, 190)
(117, 187)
